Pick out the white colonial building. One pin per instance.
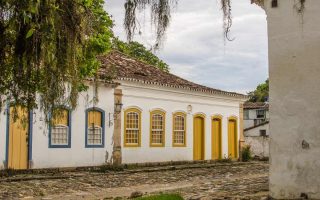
(142, 115)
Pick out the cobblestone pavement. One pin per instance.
(193, 181)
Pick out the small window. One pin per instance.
(59, 130)
(263, 133)
(246, 114)
(179, 129)
(95, 127)
(261, 114)
(157, 135)
(132, 124)
(274, 3)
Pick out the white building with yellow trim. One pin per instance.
(143, 115)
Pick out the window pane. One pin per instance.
(157, 129)
(59, 135)
(179, 130)
(132, 128)
(94, 135)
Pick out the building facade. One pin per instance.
(256, 128)
(255, 114)
(142, 115)
(293, 32)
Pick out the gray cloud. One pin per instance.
(194, 46)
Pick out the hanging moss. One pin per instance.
(48, 47)
(161, 16)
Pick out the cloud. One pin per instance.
(194, 46)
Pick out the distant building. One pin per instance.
(256, 127)
(255, 114)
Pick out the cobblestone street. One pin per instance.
(193, 181)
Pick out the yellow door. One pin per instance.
(198, 138)
(18, 139)
(232, 139)
(216, 139)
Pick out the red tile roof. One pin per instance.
(255, 105)
(117, 66)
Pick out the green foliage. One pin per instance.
(246, 153)
(261, 94)
(45, 45)
(140, 52)
(161, 197)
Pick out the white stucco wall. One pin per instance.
(148, 98)
(294, 50)
(78, 154)
(259, 144)
(256, 131)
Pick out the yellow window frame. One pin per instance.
(131, 110)
(184, 115)
(163, 114)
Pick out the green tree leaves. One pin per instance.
(261, 94)
(48, 47)
(138, 51)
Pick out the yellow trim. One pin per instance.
(235, 145)
(203, 116)
(216, 117)
(160, 112)
(134, 110)
(185, 129)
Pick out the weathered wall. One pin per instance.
(259, 145)
(294, 57)
(152, 97)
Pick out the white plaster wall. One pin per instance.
(259, 145)
(77, 155)
(3, 122)
(294, 49)
(150, 98)
(248, 123)
(256, 131)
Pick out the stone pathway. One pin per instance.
(193, 181)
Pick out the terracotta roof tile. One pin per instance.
(117, 66)
(255, 105)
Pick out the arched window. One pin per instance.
(60, 129)
(157, 128)
(95, 125)
(132, 127)
(179, 129)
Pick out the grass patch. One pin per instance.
(161, 197)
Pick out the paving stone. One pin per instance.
(195, 181)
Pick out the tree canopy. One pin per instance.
(46, 44)
(138, 51)
(261, 94)
(48, 48)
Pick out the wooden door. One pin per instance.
(216, 139)
(198, 138)
(232, 139)
(18, 138)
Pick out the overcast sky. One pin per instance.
(194, 46)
